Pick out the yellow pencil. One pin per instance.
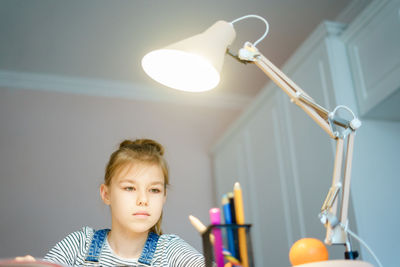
(237, 192)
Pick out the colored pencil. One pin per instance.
(240, 219)
(215, 218)
(235, 232)
(228, 220)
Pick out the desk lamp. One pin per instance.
(194, 65)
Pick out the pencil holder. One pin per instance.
(236, 245)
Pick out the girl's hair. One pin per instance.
(139, 151)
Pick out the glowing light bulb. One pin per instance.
(181, 70)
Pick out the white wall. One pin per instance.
(53, 150)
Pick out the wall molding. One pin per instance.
(118, 89)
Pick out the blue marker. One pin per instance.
(228, 220)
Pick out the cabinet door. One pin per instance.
(272, 228)
(310, 147)
(373, 42)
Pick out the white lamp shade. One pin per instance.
(192, 64)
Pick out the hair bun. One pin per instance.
(125, 143)
(143, 143)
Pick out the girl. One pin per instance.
(135, 185)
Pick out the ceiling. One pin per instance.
(104, 40)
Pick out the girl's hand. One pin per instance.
(25, 258)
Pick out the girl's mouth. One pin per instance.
(141, 214)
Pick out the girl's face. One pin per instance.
(136, 197)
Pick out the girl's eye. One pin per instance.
(155, 190)
(129, 188)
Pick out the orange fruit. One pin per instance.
(307, 250)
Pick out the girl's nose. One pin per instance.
(142, 199)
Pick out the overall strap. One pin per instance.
(96, 245)
(149, 248)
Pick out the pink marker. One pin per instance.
(215, 218)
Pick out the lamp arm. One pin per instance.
(295, 93)
(325, 119)
(329, 210)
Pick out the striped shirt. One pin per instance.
(171, 251)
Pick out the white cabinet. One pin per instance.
(373, 41)
(282, 159)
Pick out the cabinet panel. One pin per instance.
(269, 197)
(373, 42)
(311, 147)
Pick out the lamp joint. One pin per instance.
(249, 52)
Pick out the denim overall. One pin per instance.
(99, 238)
